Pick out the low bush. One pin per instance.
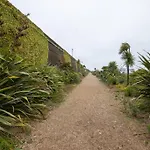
(74, 77)
(112, 80)
(144, 105)
(121, 79)
(51, 76)
(84, 72)
(132, 106)
(69, 75)
(6, 143)
(121, 87)
(130, 91)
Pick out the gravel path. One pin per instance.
(90, 119)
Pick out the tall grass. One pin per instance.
(21, 94)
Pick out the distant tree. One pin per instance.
(127, 57)
(113, 69)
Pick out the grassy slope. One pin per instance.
(34, 46)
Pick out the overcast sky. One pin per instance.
(95, 29)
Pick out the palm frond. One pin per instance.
(124, 48)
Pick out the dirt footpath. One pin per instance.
(89, 119)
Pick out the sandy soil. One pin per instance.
(89, 119)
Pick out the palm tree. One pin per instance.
(127, 57)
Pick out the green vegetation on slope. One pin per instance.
(34, 45)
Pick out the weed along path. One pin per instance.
(89, 119)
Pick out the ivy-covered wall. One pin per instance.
(19, 34)
(34, 44)
(67, 57)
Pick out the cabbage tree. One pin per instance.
(127, 57)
